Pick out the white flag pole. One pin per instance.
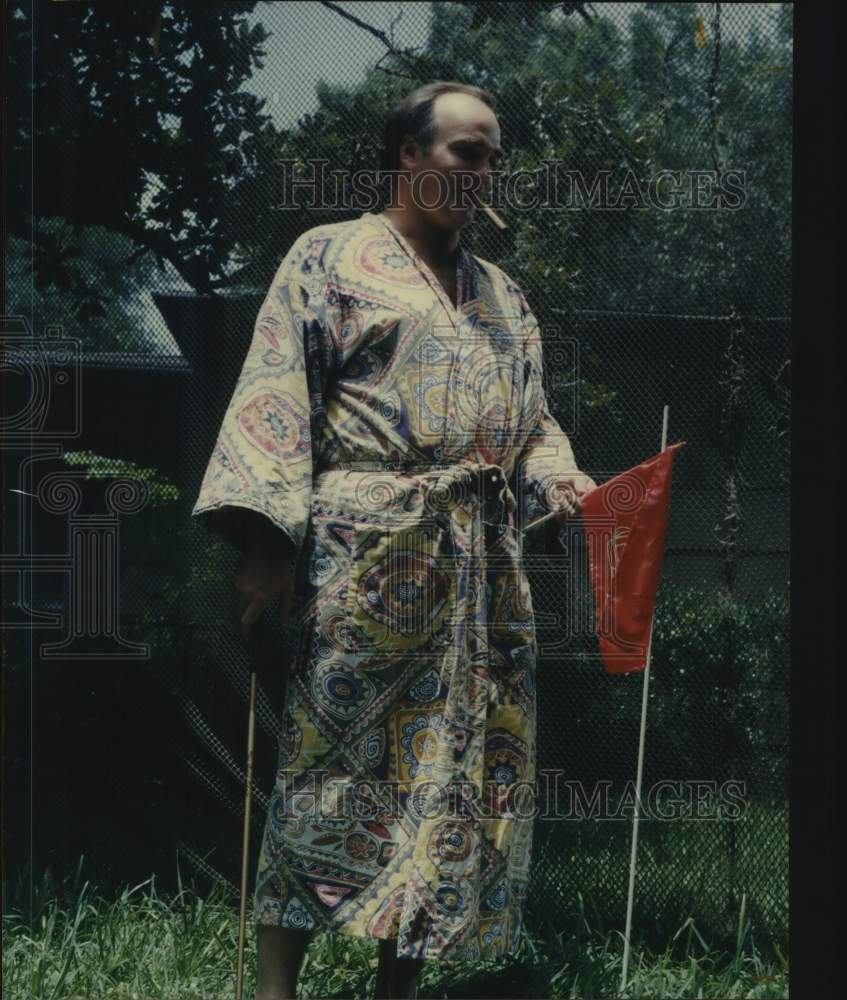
(640, 771)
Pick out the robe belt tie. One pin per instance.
(446, 485)
(471, 504)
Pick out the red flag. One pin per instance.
(625, 521)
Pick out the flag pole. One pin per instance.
(640, 770)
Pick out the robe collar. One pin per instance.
(466, 267)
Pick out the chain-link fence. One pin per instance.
(668, 284)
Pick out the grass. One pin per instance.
(685, 868)
(141, 945)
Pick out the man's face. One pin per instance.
(465, 147)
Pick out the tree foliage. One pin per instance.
(143, 124)
(131, 117)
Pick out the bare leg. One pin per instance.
(279, 955)
(395, 976)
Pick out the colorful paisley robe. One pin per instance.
(402, 442)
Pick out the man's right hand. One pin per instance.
(266, 571)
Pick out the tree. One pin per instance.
(85, 276)
(130, 117)
(602, 99)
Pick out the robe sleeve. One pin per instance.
(547, 452)
(265, 452)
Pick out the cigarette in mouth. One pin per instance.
(495, 218)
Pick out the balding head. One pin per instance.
(449, 142)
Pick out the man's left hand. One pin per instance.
(567, 492)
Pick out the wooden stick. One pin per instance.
(546, 517)
(258, 629)
(541, 520)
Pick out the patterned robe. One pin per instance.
(402, 442)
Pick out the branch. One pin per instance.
(377, 33)
(577, 8)
(192, 272)
(392, 72)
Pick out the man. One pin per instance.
(387, 442)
